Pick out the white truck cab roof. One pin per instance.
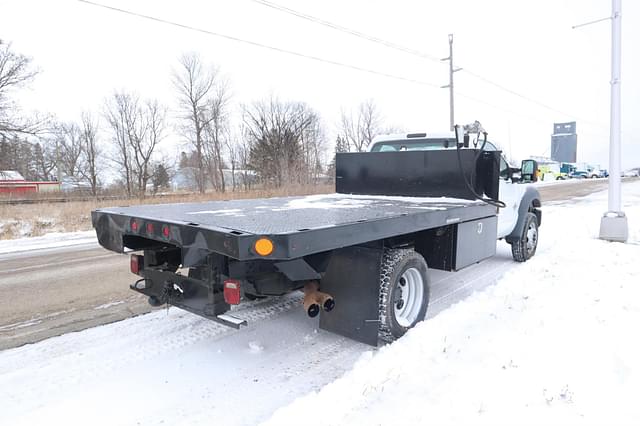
(418, 137)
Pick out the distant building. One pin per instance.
(564, 142)
(12, 182)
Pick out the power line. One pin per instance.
(298, 54)
(526, 98)
(261, 45)
(346, 30)
(414, 52)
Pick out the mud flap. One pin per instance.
(353, 279)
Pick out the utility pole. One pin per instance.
(450, 85)
(613, 224)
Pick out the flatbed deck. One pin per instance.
(299, 226)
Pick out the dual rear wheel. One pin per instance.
(404, 292)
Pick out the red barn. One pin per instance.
(12, 182)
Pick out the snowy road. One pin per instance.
(62, 289)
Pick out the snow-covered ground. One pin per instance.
(48, 241)
(552, 342)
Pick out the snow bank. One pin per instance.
(51, 240)
(554, 342)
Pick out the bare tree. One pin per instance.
(313, 145)
(360, 130)
(233, 146)
(90, 151)
(279, 133)
(200, 93)
(69, 149)
(45, 158)
(216, 135)
(242, 149)
(118, 108)
(15, 71)
(144, 139)
(136, 129)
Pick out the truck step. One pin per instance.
(231, 321)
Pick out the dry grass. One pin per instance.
(31, 220)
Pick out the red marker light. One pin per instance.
(149, 228)
(137, 263)
(232, 292)
(134, 225)
(165, 231)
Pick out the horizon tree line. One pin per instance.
(276, 142)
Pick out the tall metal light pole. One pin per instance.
(450, 85)
(613, 225)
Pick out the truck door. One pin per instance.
(511, 194)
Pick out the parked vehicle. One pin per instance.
(551, 171)
(567, 168)
(361, 256)
(631, 173)
(578, 175)
(74, 184)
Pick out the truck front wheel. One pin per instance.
(404, 292)
(525, 247)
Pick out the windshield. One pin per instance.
(433, 144)
(421, 145)
(413, 145)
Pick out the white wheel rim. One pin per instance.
(532, 237)
(409, 293)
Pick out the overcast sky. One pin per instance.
(85, 52)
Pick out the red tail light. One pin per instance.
(165, 231)
(149, 228)
(134, 225)
(137, 263)
(232, 292)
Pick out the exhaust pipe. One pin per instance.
(314, 299)
(326, 300)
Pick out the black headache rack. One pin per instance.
(434, 173)
(336, 240)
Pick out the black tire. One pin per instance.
(411, 268)
(524, 248)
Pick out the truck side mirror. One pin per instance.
(529, 171)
